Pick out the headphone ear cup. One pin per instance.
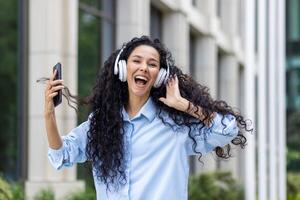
(122, 70)
(116, 68)
(160, 78)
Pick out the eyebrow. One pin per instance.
(138, 56)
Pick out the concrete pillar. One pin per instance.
(206, 63)
(262, 117)
(273, 97)
(208, 7)
(52, 39)
(229, 16)
(281, 118)
(249, 112)
(228, 91)
(206, 74)
(176, 38)
(133, 20)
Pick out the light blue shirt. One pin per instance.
(156, 154)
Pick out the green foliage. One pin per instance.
(8, 82)
(293, 159)
(214, 186)
(5, 190)
(11, 191)
(17, 192)
(45, 194)
(293, 186)
(88, 194)
(293, 198)
(293, 141)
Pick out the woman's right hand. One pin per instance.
(52, 88)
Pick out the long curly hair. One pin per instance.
(105, 147)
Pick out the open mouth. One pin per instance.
(140, 80)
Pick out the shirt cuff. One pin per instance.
(224, 126)
(56, 157)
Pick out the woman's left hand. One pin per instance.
(173, 97)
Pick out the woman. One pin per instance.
(146, 118)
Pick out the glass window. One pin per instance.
(293, 20)
(8, 81)
(192, 54)
(219, 4)
(194, 3)
(155, 23)
(96, 41)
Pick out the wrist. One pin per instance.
(48, 115)
(183, 105)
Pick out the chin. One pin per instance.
(140, 93)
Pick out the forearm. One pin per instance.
(54, 139)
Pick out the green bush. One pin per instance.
(214, 186)
(5, 190)
(89, 193)
(11, 191)
(83, 195)
(17, 192)
(45, 194)
(293, 186)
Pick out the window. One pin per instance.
(192, 54)
(219, 7)
(155, 23)
(293, 20)
(195, 3)
(96, 41)
(293, 27)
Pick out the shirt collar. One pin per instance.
(148, 110)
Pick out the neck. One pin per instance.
(135, 104)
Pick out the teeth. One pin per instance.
(142, 77)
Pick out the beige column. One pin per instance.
(228, 91)
(52, 39)
(176, 38)
(229, 16)
(206, 74)
(133, 20)
(208, 7)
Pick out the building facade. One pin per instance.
(235, 47)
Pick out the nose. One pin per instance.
(144, 67)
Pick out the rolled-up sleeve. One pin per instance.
(218, 134)
(73, 148)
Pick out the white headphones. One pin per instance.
(121, 69)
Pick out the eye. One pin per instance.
(136, 61)
(153, 65)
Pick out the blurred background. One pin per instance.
(246, 51)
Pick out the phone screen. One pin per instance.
(58, 98)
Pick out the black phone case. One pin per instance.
(58, 98)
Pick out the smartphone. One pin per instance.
(58, 98)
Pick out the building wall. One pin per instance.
(222, 57)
